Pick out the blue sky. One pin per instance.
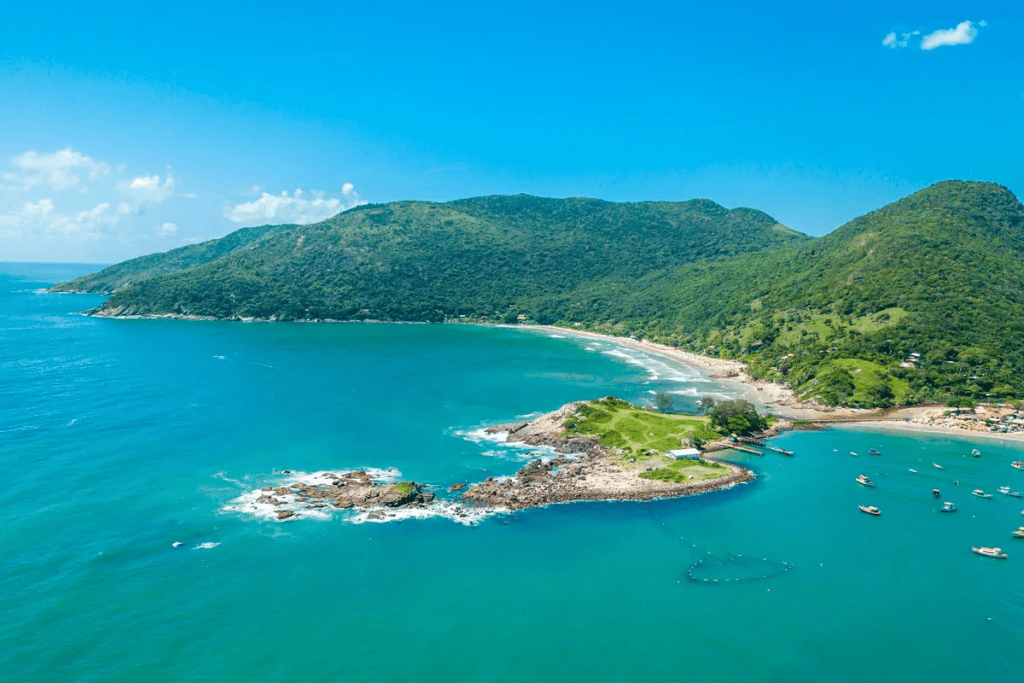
(127, 129)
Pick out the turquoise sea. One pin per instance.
(119, 438)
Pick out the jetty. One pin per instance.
(760, 444)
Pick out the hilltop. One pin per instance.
(921, 300)
(489, 257)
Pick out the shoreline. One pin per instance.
(1016, 438)
(778, 399)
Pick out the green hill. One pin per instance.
(492, 257)
(123, 274)
(939, 273)
(920, 300)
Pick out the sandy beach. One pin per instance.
(778, 398)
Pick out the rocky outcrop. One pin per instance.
(584, 470)
(346, 490)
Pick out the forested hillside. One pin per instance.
(123, 274)
(424, 261)
(920, 300)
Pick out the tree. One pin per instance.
(737, 417)
(706, 403)
(664, 402)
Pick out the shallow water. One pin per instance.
(122, 438)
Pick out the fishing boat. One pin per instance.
(936, 493)
(1005, 490)
(872, 451)
(870, 509)
(975, 452)
(864, 481)
(947, 507)
(990, 552)
(1018, 533)
(1017, 465)
(981, 494)
(938, 466)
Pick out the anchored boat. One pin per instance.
(947, 507)
(864, 481)
(1017, 465)
(870, 509)
(1018, 533)
(976, 453)
(938, 466)
(1005, 490)
(990, 552)
(981, 494)
(872, 451)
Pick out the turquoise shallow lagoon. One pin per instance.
(119, 438)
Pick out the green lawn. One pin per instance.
(634, 430)
(678, 471)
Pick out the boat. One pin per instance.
(853, 454)
(864, 481)
(947, 507)
(872, 451)
(981, 494)
(1005, 490)
(975, 452)
(913, 470)
(1017, 465)
(1015, 494)
(870, 509)
(938, 466)
(1018, 533)
(990, 552)
(936, 493)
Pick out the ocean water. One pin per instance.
(121, 438)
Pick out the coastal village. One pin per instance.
(1003, 418)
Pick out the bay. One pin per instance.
(122, 437)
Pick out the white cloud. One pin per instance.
(964, 34)
(892, 41)
(297, 208)
(58, 171)
(144, 190)
(41, 219)
(65, 205)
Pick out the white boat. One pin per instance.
(864, 481)
(990, 552)
(1005, 490)
(870, 509)
(938, 466)
(1017, 465)
(913, 470)
(981, 494)
(853, 454)
(975, 452)
(947, 507)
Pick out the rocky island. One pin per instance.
(600, 450)
(606, 449)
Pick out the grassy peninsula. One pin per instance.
(919, 301)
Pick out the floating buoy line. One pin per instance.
(708, 563)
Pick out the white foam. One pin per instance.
(446, 509)
(481, 435)
(206, 546)
(557, 336)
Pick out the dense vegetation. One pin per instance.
(490, 258)
(175, 261)
(737, 417)
(921, 300)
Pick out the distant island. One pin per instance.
(920, 301)
(601, 450)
